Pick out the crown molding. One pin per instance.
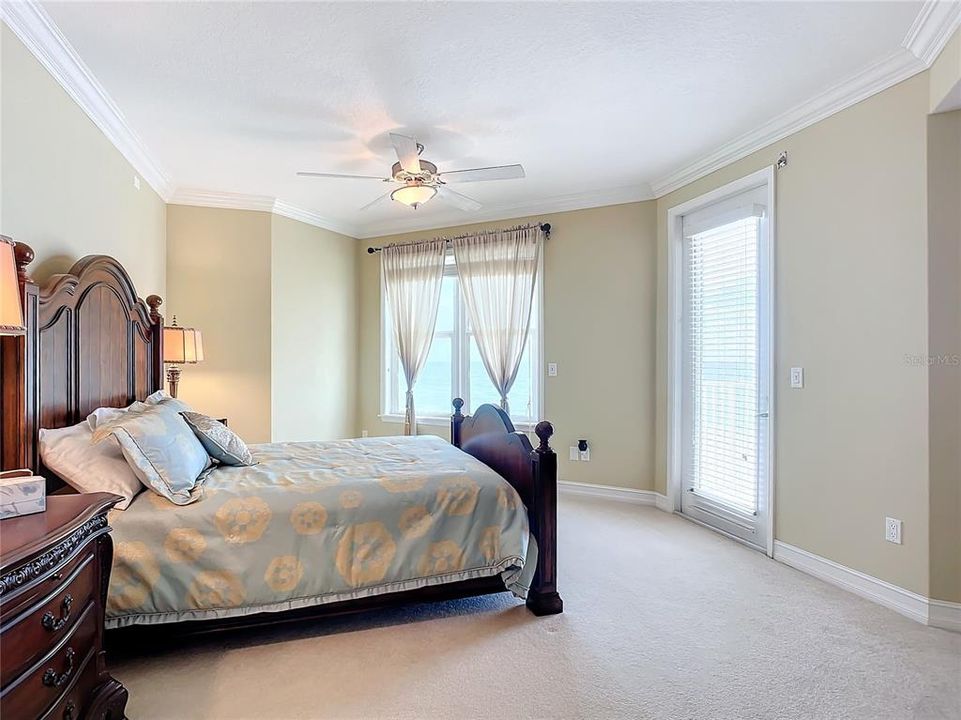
(311, 218)
(199, 197)
(932, 28)
(881, 75)
(37, 31)
(557, 203)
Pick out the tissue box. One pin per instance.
(21, 493)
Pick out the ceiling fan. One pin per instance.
(420, 180)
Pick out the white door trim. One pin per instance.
(675, 267)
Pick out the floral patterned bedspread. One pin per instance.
(318, 522)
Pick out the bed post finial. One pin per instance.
(24, 255)
(156, 374)
(455, 422)
(154, 302)
(544, 430)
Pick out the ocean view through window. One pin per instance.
(454, 367)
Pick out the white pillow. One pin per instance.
(103, 415)
(86, 467)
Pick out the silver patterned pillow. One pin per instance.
(161, 450)
(220, 442)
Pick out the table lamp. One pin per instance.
(11, 315)
(182, 346)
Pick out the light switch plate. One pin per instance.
(574, 454)
(797, 377)
(552, 369)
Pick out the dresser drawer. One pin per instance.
(49, 680)
(32, 634)
(18, 603)
(73, 704)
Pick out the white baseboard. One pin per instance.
(944, 614)
(936, 613)
(871, 588)
(663, 502)
(610, 492)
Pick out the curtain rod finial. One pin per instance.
(370, 251)
(546, 227)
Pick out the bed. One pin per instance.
(470, 517)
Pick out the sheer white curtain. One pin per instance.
(412, 280)
(498, 271)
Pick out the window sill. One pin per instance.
(524, 426)
(421, 420)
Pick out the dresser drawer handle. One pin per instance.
(52, 679)
(68, 712)
(54, 624)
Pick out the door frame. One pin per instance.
(675, 364)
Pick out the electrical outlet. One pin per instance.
(363, 433)
(551, 369)
(584, 451)
(574, 454)
(892, 530)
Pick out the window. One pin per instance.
(454, 367)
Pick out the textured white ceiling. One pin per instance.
(599, 99)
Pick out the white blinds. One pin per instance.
(721, 349)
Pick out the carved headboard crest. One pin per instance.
(90, 342)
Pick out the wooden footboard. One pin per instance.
(490, 437)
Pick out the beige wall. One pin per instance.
(599, 297)
(851, 224)
(944, 351)
(64, 188)
(218, 280)
(314, 332)
(276, 300)
(945, 77)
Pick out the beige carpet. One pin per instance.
(664, 620)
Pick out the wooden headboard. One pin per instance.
(90, 342)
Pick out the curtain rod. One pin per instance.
(545, 228)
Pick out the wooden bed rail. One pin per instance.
(489, 436)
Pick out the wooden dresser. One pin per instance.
(54, 570)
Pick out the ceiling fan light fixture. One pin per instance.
(413, 195)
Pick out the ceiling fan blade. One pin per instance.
(383, 200)
(406, 148)
(338, 175)
(499, 172)
(456, 199)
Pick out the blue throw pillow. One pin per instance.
(161, 449)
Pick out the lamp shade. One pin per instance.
(11, 314)
(183, 344)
